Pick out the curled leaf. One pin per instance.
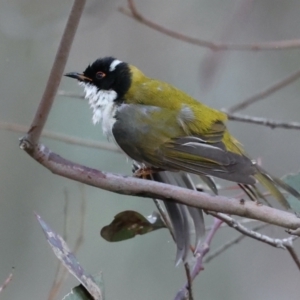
(128, 224)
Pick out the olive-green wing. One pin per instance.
(193, 154)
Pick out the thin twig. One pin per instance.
(264, 122)
(198, 266)
(66, 214)
(151, 189)
(229, 244)
(277, 243)
(241, 221)
(79, 240)
(72, 140)
(62, 273)
(288, 243)
(257, 120)
(189, 281)
(56, 73)
(266, 92)
(164, 217)
(70, 95)
(6, 282)
(273, 45)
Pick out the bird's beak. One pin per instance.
(78, 76)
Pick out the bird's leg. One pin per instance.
(144, 172)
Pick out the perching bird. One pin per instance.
(163, 128)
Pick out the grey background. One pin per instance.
(142, 268)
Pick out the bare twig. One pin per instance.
(273, 45)
(6, 282)
(288, 243)
(202, 251)
(62, 273)
(66, 214)
(277, 243)
(241, 221)
(164, 217)
(146, 188)
(189, 281)
(229, 244)
(63, 137)
(265, 93)
(58, 67)
(264, 122)
(82, 214)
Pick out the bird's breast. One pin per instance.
(102, 103)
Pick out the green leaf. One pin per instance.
(128, 224)
(80, 292)
(294, 181)
(63, 253)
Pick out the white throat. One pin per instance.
(103, 106)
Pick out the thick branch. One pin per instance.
(146, 188)
(273, 45)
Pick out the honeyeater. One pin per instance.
(164, 129)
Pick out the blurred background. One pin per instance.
(143, 267)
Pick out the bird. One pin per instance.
(172, 135)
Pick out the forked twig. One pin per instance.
(229, 244)
(201, 252)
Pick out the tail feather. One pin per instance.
(210, 183)
(272, 184)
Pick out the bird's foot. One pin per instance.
(145, 172)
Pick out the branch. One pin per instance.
(189, 281)
(6, 282)
(263, 121)
(288, 243)
(265, 93)
(145, 188)
(62, 273)
(277, 243)
(58, 67)
(198, 267)
(229, 244)
(214, 46)
(164, 217)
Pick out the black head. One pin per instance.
(106, 73)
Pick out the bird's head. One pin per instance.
(106, 75)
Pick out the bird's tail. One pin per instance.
(273, 185)
(179, 214)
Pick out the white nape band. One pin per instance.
(114, 64)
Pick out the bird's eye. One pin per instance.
(100, 75)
